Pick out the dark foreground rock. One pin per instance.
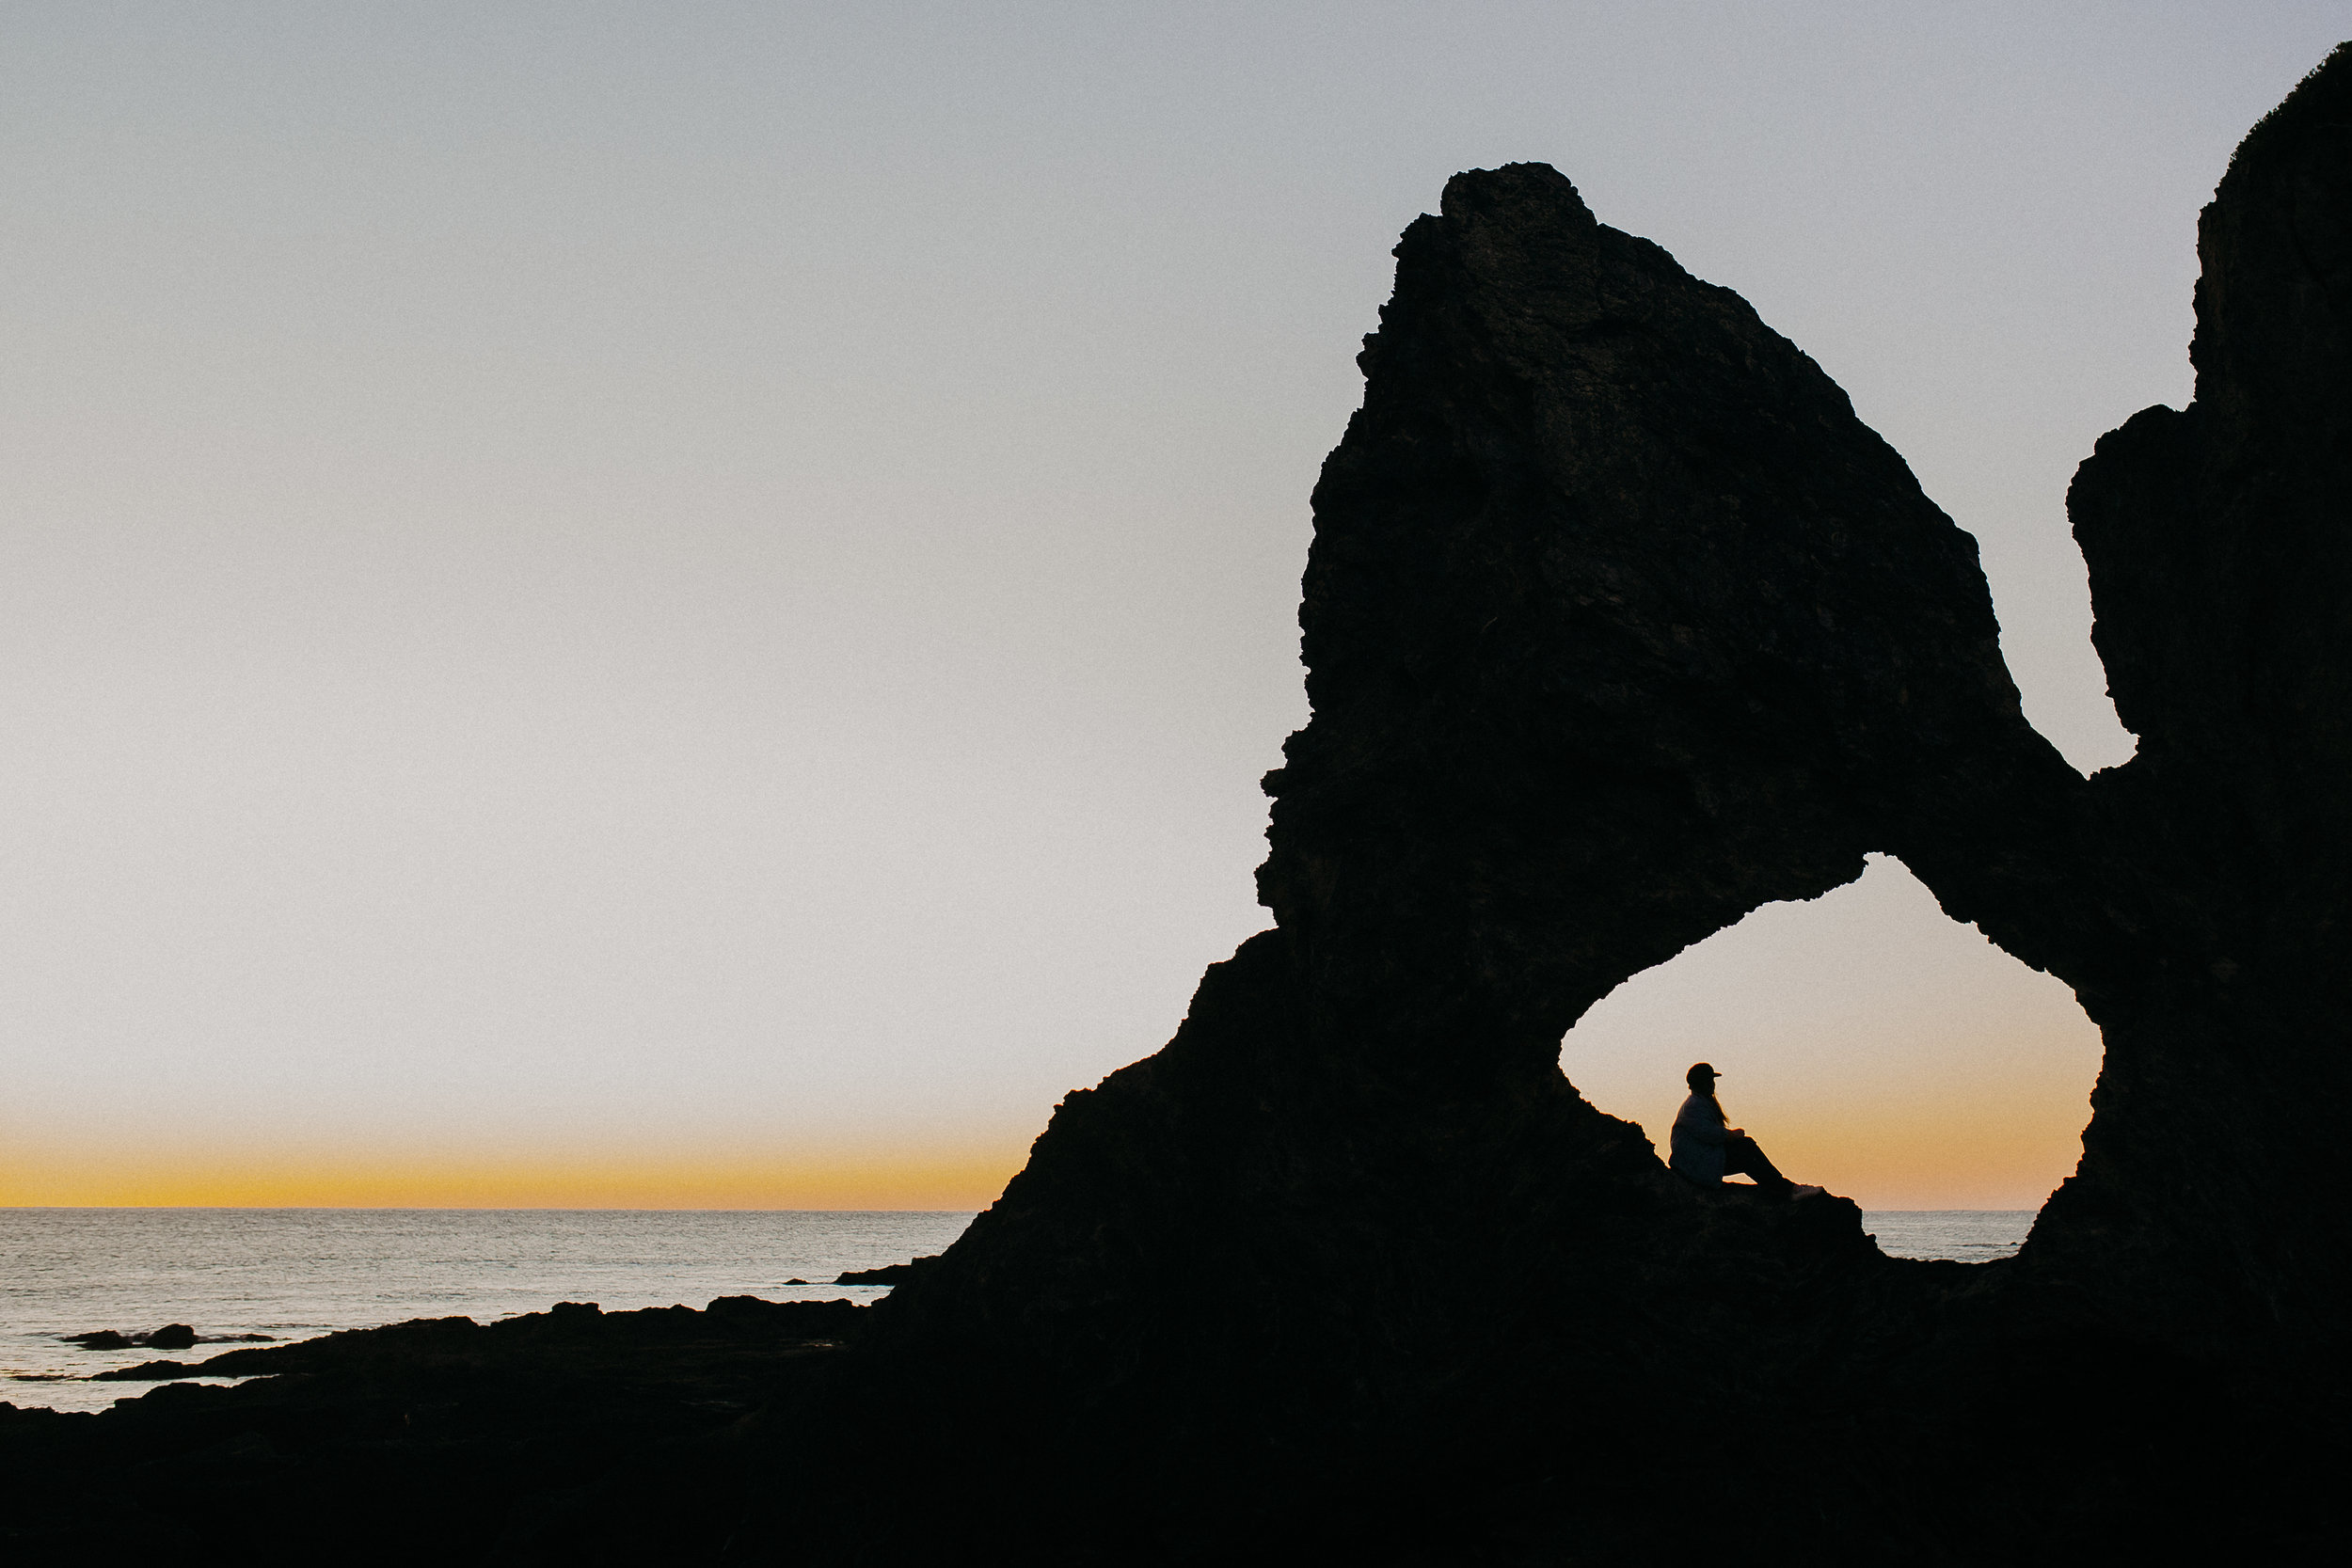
(567, 1436)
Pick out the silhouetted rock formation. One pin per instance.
(1620, 624)
(2219, 542)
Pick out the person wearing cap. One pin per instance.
(1707, 1150)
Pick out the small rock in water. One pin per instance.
(105, 1338)
(889, 1274)
(172, 1337)
(796, 1282)
(146, 1372)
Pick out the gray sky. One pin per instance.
(682, 581)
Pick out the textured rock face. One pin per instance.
(1620, 624)
(2220, 541)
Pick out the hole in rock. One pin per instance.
(1871, 1044)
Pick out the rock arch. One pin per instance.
(1875, 1046)
(1618, 625)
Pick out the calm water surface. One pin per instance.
(296, 1273)
(1966, 1235)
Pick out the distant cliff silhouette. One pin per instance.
(1618, 625)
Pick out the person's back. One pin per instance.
(1698, 1140)
(1705, 1150)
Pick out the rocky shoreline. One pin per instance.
(569, 1433)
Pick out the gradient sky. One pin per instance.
(682, 604)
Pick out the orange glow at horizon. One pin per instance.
(1982, 1151)
(1987, 1152)
(1868, 1043)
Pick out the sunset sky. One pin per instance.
(681, 606)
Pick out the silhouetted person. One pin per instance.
(1706, 1149)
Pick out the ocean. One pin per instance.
(292, 1273)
